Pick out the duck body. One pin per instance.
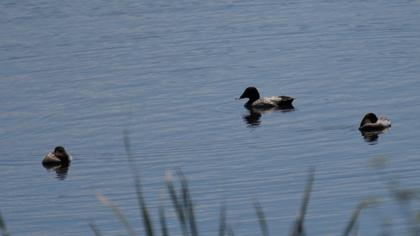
(270, 102)
(255, 102)
(58, 157)
(371, 123)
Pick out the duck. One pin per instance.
(371, 123)
(256, 102)
(58, 157)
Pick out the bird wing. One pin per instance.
(282, 100)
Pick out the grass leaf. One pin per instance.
(261, 218)
(175, 202)
(117, 212)
(95, 229)
(3, 229)
(222, 224)
(354, 217)
(298, 228)
(147, 222)
(162, 219)
(188, 203)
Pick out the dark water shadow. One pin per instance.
(371, 137)
(61, 171)
(253, 118)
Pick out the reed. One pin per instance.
(188, 203)
(120, 216)
(147, 222)
(3, 229)
(353, 218)
(298, 229)
(261, 218)
(176, 203)
(95, 229)
(222, 220)
(184, 208)
(162, 219)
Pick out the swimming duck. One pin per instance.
(255, 102)
(371, 122)
(58, 157)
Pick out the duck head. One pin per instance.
(61, 154)
(251, 93)
(369, 118)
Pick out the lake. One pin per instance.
(79, 73)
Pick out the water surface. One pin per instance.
(79, 73)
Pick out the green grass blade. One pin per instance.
(184, 191)
(354, 218)
(176, 204)
(118, 213)
(147, 222)
(3, 228)
(222, 224)
(145, 213)
(307, 194)
(298, 228)
(162, 220)
(95, 229)
(188, 203)
(261, 218)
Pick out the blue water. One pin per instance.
(79, 73)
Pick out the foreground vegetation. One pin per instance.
(183, 206)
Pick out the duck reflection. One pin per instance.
(253, 117)
(61, 170)
(371, 136)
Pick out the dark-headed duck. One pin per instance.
(58, 157)
(255, 102)
(371, 122)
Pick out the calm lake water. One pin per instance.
(79, 73)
